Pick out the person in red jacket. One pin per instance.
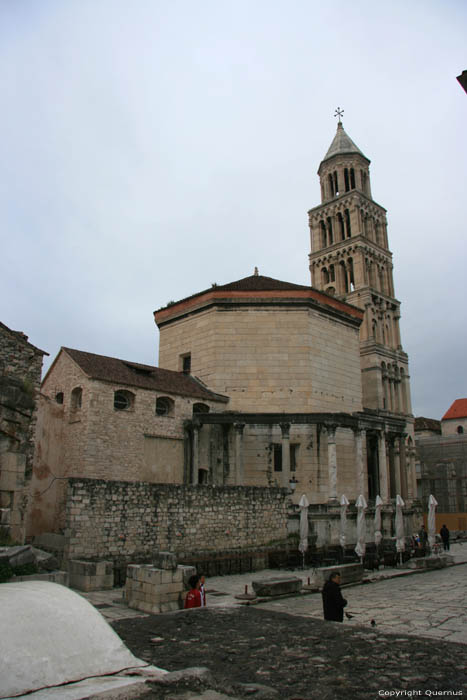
(193, 598)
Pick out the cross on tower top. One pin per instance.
(339, 113)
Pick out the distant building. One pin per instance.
(442, 464)
(20, 376)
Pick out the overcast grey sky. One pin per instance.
(151, 148)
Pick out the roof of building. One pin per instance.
(111, 369)
(427, 424)
(258, 288)
(22, 338)
(342, 144)
(457, 410)
(253, 283)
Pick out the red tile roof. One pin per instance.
(111, 369)
(457, 410)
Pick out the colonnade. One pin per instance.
(396, 460)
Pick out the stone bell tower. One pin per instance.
(350, 258)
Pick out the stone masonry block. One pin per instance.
(167, 576)
(165, 560)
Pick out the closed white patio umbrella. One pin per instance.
(360, 547)
(303, 544)
(432, 503)
(400, 533)
(378, 533)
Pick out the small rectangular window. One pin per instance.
(186, 363)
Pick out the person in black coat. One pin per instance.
(333, 602)
(444, 532)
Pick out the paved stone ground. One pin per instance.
(432, 604)
(292, 657)
(284, 648)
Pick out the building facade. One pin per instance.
(105, 418)
(442, 465)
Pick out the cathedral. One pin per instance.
(317, 379)
(261, 382)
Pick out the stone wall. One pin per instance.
(270, 358)
(129, 521)
(20, 374)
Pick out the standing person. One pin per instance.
(444, 532)
(202, 589)
(193, 597)
(423, 537)
(333, 602)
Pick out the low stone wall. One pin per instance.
(350, 573)
(128, 521)
(154, 590)
(90, 576)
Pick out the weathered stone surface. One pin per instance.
(428, 563)
(195, 673)
(165, 560)
(44, 560)
(254, 645)
(350, 573)
(277, 586)
(18, 556)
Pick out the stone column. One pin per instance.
(239, 476)
(404, 468)
(332, 464)
(398, 332)
(383, 467)
(397, 466)
(285, 429)
(361, 467)
(194, 475)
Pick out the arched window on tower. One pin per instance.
(323, 233)
(384, 379)
(340, 220)
(331, 185)
(332, 273)
(336, 185)
(352, 179)
(347, 223)
(330, 234)
(350, 273)
(343, 277)
(346, 179)
(324, 277)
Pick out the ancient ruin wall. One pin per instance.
(127, 521)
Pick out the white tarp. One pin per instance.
(360, 547)
(400, 532)
(378, 533)
(343, 525)
(52, 635)
(303, 504)
(432, 503)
